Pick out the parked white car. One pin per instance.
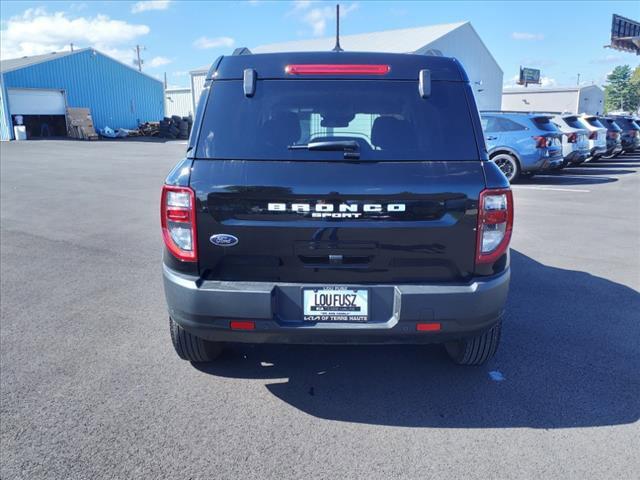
(597, 135)
(575, 138)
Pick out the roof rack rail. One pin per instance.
(241, 51)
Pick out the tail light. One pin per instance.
(495, 223)
(614, 135)
(178, 218)
(593, 135)
(541, 142)
(633, 133)
(572, 137)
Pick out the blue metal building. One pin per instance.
(40, 88)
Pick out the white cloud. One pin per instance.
(37, 32)
(318, 17)
(527, 36)
(150, 5)
(158, 62)
(206, 42)
(607, 59)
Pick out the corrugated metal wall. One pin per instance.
(197, 85)
(5, 124)
(177, 101)
(118, 96)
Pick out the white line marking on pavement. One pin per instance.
(553, 189)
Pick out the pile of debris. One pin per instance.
(149, 129)
(176, 127)
(80, 124)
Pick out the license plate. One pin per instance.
(335, 304)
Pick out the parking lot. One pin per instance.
(91, 386)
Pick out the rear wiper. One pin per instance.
(351, 148)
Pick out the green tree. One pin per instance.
(623, 89)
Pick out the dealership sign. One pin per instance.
(528, 75)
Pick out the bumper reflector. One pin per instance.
(428, 327)
(238, 325)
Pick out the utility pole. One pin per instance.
(578, 82)
(71, 45)
(139, 61)
(165, 80)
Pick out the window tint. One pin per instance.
(544, 123)
(594, 122)
(573, 122)
(490, 124)
(507, 125)
(388, 119)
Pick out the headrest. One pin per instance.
(388, 132)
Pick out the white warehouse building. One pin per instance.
(177, 101)
(459, 40)
(587, 99)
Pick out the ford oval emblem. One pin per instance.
(224, 240)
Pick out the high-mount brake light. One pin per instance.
(178, 219)
(339, 69)
(495, 224)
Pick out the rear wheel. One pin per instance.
(509, 166)
(192, 348)
(475, 350)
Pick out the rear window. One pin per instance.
(573, 122)
(626, 124)
(544, 123)
(387, 118)
(611, 125)
(594, 122)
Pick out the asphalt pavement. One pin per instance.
(91, 387)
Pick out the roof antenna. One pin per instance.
(338, 48)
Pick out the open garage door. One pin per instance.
(41, 111)
(29, 101)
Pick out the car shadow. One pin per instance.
(569, 358)
(565, 178)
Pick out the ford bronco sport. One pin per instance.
(336, 197)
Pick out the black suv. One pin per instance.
(336, 197)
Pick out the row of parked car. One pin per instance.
(525, 143)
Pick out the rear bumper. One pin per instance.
(577, 156)
(206, 309)
(599, 150)
(553, 163)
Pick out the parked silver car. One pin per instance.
(597, 135)
(575, 138)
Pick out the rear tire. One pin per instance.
(509, 165)
(192, 348)
(475, 350)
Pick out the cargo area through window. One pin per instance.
(387, 118)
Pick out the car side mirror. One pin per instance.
(249, 82)
(424, 83)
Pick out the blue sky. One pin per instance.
(561, 38)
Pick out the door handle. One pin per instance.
(492, 138)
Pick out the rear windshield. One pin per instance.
(573, 122)
(611, 125)
(594, 122)
(545, 123)
(388, 119)
(627, 124)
